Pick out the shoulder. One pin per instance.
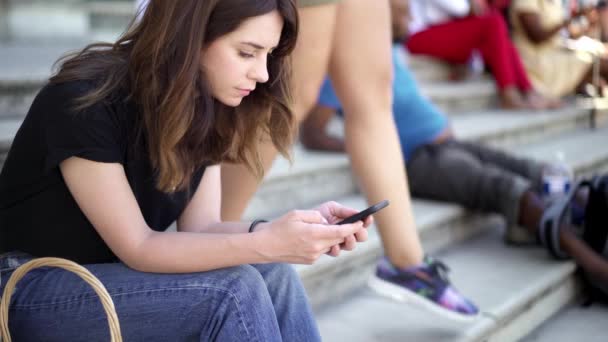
(57, 100)
(65, 91)
(525, 5)
(62, 101)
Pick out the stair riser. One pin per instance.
(303, 191)
(535, 312)
(299, 191)
(536, 133)
(15, 102)
(66, 20)
(469, 103)
(17, 99)
(332, 282)
(430, 74)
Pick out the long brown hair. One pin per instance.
(158, 61)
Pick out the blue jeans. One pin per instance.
(243, 303)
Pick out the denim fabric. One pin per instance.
(243, 303)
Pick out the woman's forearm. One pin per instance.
(186, 252)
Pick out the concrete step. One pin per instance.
(573, 323)
(427, 69)
(25, 68)
(315, 176)
(17, 94)
(462, 96)
(515, 288)
(504, 128)
(441, 225)
(496, 126)
(8, 129)
(23, 71)
(66, 20)
(108, 19)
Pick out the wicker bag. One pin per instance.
(101, 291)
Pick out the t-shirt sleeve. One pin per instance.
(93, 133)
(525, 6)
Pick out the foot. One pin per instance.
(458, 72)
(510, 98)
(539, 102)
(426, 286)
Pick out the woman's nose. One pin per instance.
(260, 71)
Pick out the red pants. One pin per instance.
(455, 41)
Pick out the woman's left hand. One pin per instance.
(334, 212)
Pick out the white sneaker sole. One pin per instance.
(397, 293)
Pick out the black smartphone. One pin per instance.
(362, 215)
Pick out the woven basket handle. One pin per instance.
(101, 291)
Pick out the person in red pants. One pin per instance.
(451, 30)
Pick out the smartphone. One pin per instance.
(362, 215)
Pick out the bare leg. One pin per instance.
(530, 216)
(313, 131)
(361, 72)
(310, 61)
(584, 256)
(510, 98)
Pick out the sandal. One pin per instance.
(550, 223)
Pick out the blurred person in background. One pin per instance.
(441, 167)
(451, 30)
(540, 29)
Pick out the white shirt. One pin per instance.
(431, 12)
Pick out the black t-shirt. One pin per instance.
(38, 214)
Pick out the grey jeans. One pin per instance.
(472, 175)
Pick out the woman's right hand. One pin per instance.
(301, 236)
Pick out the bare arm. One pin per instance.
(531, 23)
(105, 197)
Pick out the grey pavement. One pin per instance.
(32, 62)
(576, 323)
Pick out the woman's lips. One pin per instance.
(244, 92)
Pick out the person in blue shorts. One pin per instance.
(439, 166)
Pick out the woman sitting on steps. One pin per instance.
(124, 140)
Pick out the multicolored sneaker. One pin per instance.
(426, 286)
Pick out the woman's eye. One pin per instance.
(245, 54)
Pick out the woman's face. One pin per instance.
(236, 62)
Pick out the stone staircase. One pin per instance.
(526, 288)
(518, 289)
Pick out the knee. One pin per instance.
(495, 22)
(306, 96)
(245, 281)
(280, 273)
(382, 83)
